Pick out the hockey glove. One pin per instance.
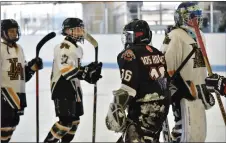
(36, 64)
(205, 95)
(92, 72)
(216, 83)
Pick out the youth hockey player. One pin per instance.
(15, 72)
(218, 83)
(144, 88)
(65, 81)
(190, 97)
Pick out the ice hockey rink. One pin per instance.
(109, 46)
(26, 131)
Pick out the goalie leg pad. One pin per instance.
(193, 121)
(116, 118)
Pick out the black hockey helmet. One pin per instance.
(137, 32)
(6, 24)
(72, 23)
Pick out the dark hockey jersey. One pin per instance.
(143, 74)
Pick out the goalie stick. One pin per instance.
(193, 22)
(38, 48)
(92, 41)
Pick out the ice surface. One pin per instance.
(26, 130)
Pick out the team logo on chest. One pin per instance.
(198, 60)
(16, 70)
(128, 55)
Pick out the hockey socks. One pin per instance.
(57, 132)
(70, 135)
(62, 132)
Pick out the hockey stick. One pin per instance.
(38, 48)
(91, 40)
(194, 23)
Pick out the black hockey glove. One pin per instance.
(92, 72)
(31, 67)
(205, 95)
(36, 64)
(216, 83)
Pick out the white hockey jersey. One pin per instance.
(178, 49)
(12, 74)
(65, 67)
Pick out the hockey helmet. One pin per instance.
(7, 24)
(136, 32)
(72, 23)
(184, 11)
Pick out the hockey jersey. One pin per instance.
(13, 76)
(177, 46)
(64, 84)
(143, 76)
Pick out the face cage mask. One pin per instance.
(184, 15)
(128, 37)
(198, 15)
(78, 38)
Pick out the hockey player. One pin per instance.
(144, 88)
(65, 81)
(15, 72)
(218, 83)
(190, 97)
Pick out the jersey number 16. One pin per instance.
(126, 75)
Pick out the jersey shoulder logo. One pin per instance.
(166, 40)
(64, 45)
(149, 48)
(128, 55)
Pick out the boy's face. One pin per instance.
(76, 31)
(12, 33)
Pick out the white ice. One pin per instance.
(26, 130)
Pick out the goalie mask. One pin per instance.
(73, 28)
(136, 32)
(184, 11)
(10, 30)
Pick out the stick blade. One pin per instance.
(89, 38)
(43, 41)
